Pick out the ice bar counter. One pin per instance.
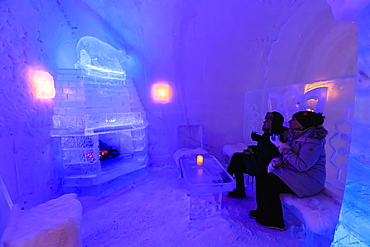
(205, 182)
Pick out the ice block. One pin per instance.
(205, 184)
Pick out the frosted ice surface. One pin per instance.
(6, 204)
(54, 223)
(97, 56)
(154, 211)
(346, 10)
(205, 184)
(205, 205)
(354, 222)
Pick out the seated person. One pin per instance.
(300, 170)
(255, 159)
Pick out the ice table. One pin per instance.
(205, 184)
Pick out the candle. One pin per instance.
(199, 160)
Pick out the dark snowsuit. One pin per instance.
(256, 163)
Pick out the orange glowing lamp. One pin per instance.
(43, 85)
(200, 160)
(161, 92)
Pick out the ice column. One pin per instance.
(354, 222)
(95, 101)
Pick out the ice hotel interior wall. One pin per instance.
(207, 50)
(27, 164)
(354, 222)
(35, 36)
(213, 52)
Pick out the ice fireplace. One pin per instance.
(95, 104)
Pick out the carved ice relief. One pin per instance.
(293, 100)
(94, 53)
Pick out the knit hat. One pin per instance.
(277, 121)
(309, 119)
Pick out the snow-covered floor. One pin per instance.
(154, 212)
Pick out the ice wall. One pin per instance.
(212, 52)
(27, 160)
(346, 10)
(36, 35)
(354, 223)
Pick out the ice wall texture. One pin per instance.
(212, 52)
(40, 35)
(27, 163)
(347, 10)
(354, 222)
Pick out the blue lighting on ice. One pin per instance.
(353, 228)
(98, 111)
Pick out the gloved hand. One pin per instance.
(275, 139)
(275, 164)
(270, 168)
(255, 136)
(248, 151)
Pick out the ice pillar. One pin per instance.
(354, 222)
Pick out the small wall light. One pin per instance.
(43, 85)
(161, 92)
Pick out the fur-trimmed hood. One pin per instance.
(318, 132)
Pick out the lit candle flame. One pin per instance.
(199, 160)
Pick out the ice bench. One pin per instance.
(317, 215)
(54, 223)
(312, 219)
(205, 183)
(229, 149)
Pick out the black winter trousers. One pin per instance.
(242, 163)
(268, 190)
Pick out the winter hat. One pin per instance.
(277, 121)
(309, 119)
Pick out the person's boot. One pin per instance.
(254, 214)
(237, 194)
(276, 225)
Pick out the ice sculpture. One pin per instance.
(96, 102)
(354, 222)
(97, 56)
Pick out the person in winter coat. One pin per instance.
(255, 159)
(300, 170)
